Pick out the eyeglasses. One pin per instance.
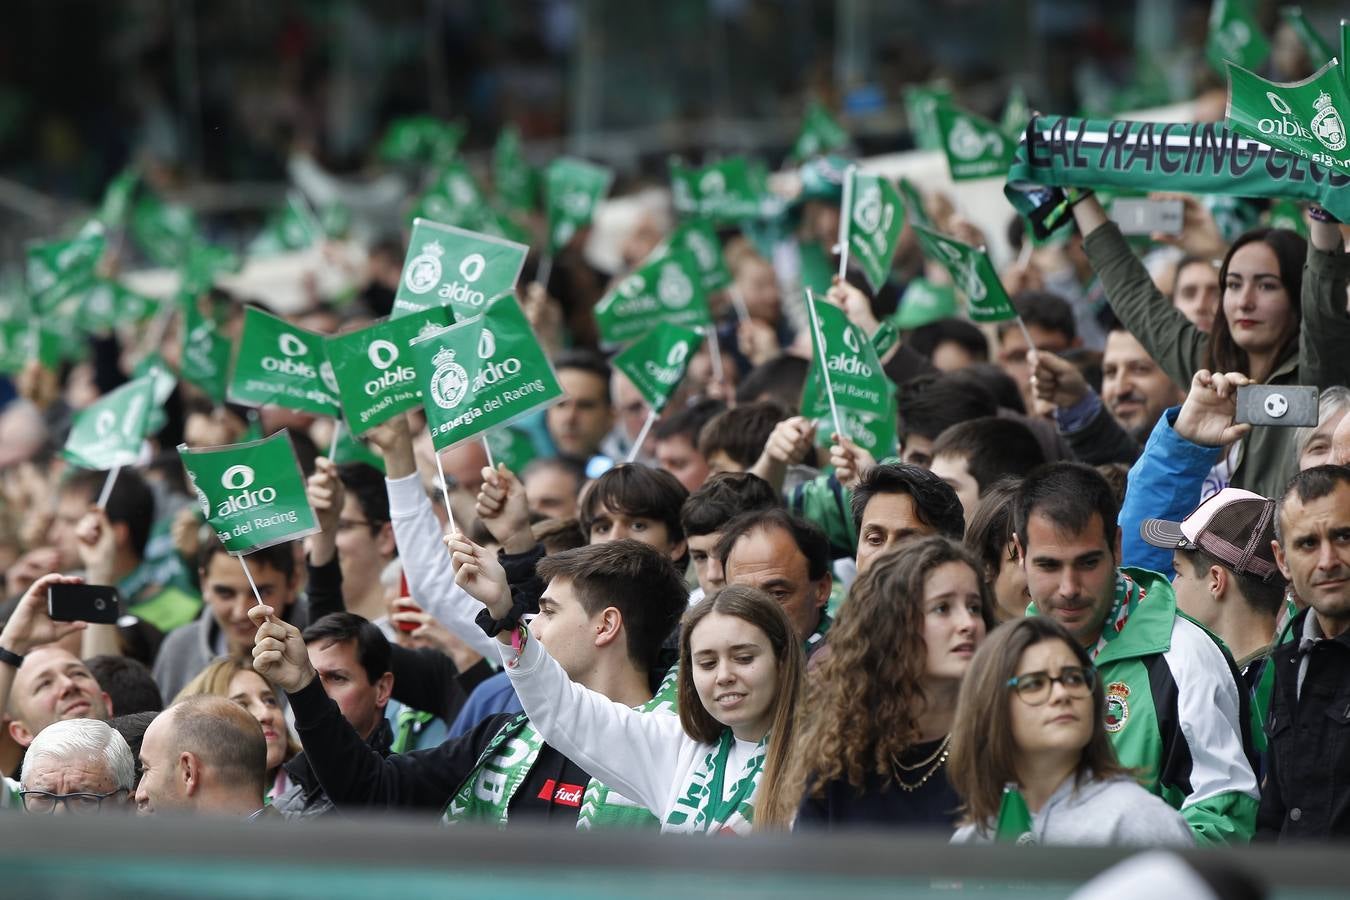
(1034, 687)
(78, 803)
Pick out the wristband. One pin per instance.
(518, 639)
(493, 627)
(10, 658)
(1322, 215)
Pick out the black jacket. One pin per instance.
(305, 797)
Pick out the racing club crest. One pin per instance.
(1117, 705)
(424, 271)
(449, 382)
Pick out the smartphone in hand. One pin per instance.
(1285, 405)
(96, 603)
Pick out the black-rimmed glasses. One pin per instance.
(77, 803)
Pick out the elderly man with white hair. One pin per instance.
(77, 766)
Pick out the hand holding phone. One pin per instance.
(94, 603)
(1145, 217)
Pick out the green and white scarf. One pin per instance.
(1128, 595)
(707, 806)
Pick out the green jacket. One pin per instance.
(1268, 459)
(1175, 714)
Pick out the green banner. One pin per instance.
(110, 431)
(975, 147)
(821, 133)
(448, 266)
(206, 352)
(656, 362)
(108, 303)
(252, 494)
(283, 365)
(921, 106)
(863, 394)
(722, 192)
(1319, 51)
(972, 272)
(1235, 36)
(515, 180)
(1186, 157)
(1306, 118)
(666, 290)
(482, 373)
(374, 367)
(876, 216)
(60, 269)
(924, 302)
(572, 190)
(16, 345)
(697, 236)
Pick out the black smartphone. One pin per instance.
(98, 603)
(1288, 405)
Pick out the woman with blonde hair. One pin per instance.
(235, 680)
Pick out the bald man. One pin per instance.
(204, 755)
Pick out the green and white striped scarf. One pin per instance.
(706, 806)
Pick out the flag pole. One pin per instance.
(738, 303)
(487, 448)
(715, 348)
(108, 481)
(824, 364)
(844, 213)
(337, 433)
(545, 270)
(251, 583)
(642, 436)
(1026, 335)
(445, 489)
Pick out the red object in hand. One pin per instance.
(405, 603)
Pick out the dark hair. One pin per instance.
(280, 557)
(989, 377)
(1265, 597)
(306, 452)
(224, 735)
(930, 404)
(810, 540)
(780, 379)
(366, 483)
(558, 535)
(1068, 494)
(935, 503)
(586, 361)
(1190, 259)
(1223, 353)
(990, 527)
(1117, 475)
(127, 682)
(741, 432)
(689, 421)
(372, 647)
(636, 490)
(723, 497)
(572, 467)
(992, 447)
(132, 729)
(967, 335)
(1310, 484)
(1047, 311)
(130, 503)
(639, 581)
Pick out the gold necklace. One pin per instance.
(938, 760)
(919, 765)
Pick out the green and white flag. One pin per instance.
(1013, 825)
(657, 361)
(1235, 36)
(572, 190)
(1016, 114)
(116, 203)
(17, 338)
(414, 139)
(165, 231)
(109, 303)
(60, 269)
(820, 133)
(1306, 118)
(293, 227)
(152, 365)
(1287, 214)
(923, 303)
(665, 290)
(482, 373)
(512, 447)
(202, 262)
(975, 147)
(863, 394)
(352, 449)
(515, 180)
(206, 352)
(698, 237)
(448, 266)
(109, 432)
(283, 365)
(1319, 51)
(374, 367)
(973, 274)
(726, 191)
(921, 106)
(914, 208)
(876, 216)
(252, 494)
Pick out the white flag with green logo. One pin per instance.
(657, 361)
(252, 494)
(482, 373)
(668, 289)
(973, 274)
(374, 367)
(110, 431)
(280, 364)
(876, 218)
(448, 266)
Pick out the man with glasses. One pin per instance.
(353, 509)
(79, 766)
(1174, 709)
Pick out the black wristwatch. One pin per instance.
(9, 657)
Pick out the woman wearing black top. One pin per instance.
(874, 736)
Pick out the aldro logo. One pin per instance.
(671, 372)
(238, 479)
(290, 347)
(382, 355)
(849, 363)
(471, 269)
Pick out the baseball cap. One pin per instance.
(1234, 526)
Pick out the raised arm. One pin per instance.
(1325, 332)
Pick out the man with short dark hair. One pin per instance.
(127, 682)
(579, 422)
(894, 502)
(552, 486)
(707, 511)
(733, 440)
(363, 540)
(930, 404)
(1306, 796)
(205, 755)
(676, 439)
(973, 455)
(1049, 321)
(1175, 710)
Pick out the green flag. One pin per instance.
(924, 302)
(972, 272)
(572, 190)
(352, 449)
(511, 446)
(726, 191)
(206, 352)
(110, 431)
(1014, 819)
(413, 139)
(975, 147)
(1016, 114)
(163, 230)
(116, 203)
(821, 133)
(914, 208)
(202, 262)
(874, 219)
(482, 373)
(516, 181)
(252, 494)
(152, 365)
(667, 289)
(59, 269)
(283, 365)
(374, 367)
(335, 219)
(863, 394)
(1289, 215)
(293, 227)
(921, 106)
(109, 303)
(656, 362)
(816, 270)
(1306, 118)
(1235, 36)
(17, 338)
(698, 237)
(1319, 51)
(448, 266)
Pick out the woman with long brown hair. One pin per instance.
(874, 724)
(1032, 715)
